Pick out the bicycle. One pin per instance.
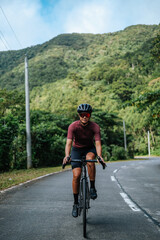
(84, 193)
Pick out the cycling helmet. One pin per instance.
(84, 107)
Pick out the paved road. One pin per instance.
(127, 208)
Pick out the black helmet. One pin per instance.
(84, 107)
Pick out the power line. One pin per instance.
(6, 42)
(11, 27)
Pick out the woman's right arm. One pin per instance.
(67, 150)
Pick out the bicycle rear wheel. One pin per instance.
(84, 207)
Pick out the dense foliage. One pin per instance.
(48, 134)
(117, 73)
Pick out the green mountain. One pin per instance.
(92, 57)
(117, 73)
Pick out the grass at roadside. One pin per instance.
(15, 177)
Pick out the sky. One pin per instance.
(25, 23)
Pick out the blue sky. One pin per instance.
(37, 21)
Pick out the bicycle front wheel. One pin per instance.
(84, 207)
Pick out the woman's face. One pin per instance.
(84, 117)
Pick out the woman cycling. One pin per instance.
(83, 133)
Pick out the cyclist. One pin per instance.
(83, 133)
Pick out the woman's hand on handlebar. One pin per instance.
(66, 159)
(101, 161)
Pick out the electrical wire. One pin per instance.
(11, 27)
(5, 43)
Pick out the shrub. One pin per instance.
(118, 153)
(8, 131)
(19, 154)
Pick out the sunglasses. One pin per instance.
(85, 115)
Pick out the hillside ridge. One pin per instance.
(66, 53)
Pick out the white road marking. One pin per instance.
(115, 170)
(131, 204)
(113, 179)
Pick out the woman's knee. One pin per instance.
(90, 155)
(76, 174)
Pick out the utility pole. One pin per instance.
(149, 152)
(28, 129)
(125, 141)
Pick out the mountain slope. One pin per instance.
(77, 53)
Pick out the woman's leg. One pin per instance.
(76, 180)
(91, 166)
(75, 186)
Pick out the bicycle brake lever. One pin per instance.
(102, 163)
(63, 166)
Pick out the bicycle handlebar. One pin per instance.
(89, 160)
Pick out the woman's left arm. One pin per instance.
(99, 149)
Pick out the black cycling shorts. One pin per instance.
(78, 153)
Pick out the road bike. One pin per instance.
(84, 193)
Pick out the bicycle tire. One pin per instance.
(87, 196)
(84, 208)
(80, 200)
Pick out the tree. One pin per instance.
(112, 135)
(149, 100)
(8, 131)
(11, 101)
(155, 51)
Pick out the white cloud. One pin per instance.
(88, 18)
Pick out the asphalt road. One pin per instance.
(127, 207)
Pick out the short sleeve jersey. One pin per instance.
(84, 136)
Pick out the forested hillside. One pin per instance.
(117, 73)
(93, 57)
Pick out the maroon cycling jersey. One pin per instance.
(84, 136)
